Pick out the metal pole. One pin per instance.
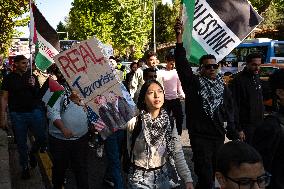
(154, 24)
(30, 41)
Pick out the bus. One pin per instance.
(271, 50)
(67, 44)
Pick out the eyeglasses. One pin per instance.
(210, 66)
(247, 183)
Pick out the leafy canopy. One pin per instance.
(10, 11)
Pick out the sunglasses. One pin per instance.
(210, 66)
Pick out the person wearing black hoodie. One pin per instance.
(208, 108)
(247, 93)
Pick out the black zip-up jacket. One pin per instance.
(197, 121)
(247, 93)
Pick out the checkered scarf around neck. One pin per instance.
(158, 129)
(211, 92)
(66, 99)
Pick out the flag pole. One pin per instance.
(30, 40)
(181, 10)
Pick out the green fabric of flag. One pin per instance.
(216, 27)
(44, 37)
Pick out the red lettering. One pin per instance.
(49, 53)
(76, 53)
(63, 60)
(85, 54)
(100, 60)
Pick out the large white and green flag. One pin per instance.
(216, 27)
(44, 37)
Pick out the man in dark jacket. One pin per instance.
(269, 136)
(208, 108)
(247, 94)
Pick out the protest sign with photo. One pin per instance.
(88, 72)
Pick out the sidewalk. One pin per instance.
(5, 178)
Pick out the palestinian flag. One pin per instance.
(216, 27)
(44, 37)
(53, 92)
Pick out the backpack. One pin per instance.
(126, 157)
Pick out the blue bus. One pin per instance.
(272, 51)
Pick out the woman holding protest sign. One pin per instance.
(153, 142)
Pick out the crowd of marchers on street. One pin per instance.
(148, 148)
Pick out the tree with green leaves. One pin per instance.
(165, 19)
(62, 32)
(121, 23)
(271, 11)
(9, 14)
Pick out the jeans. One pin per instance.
(113, 153)
(141, 179)
(64, 152)
(21, 121)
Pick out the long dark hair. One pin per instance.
(141, 105)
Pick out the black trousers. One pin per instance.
(204, 158)
(69, 152)
(174, 106)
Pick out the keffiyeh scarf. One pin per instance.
(66, 99)
(158, 130)
(211, 92)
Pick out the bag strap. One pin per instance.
(136, 131)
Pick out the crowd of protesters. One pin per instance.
(148, 147)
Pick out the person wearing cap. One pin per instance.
(21, 94)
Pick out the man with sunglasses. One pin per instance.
(239, 166)
(208, 109)
(247, 94)
(21, 93)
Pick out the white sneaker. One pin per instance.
(173, 184)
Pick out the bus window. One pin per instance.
(241, 54)
(259, 49)
(67, 44)
(279, 50)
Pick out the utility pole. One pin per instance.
(154, 24)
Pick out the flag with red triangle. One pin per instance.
(44, 37)
(54, 91)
